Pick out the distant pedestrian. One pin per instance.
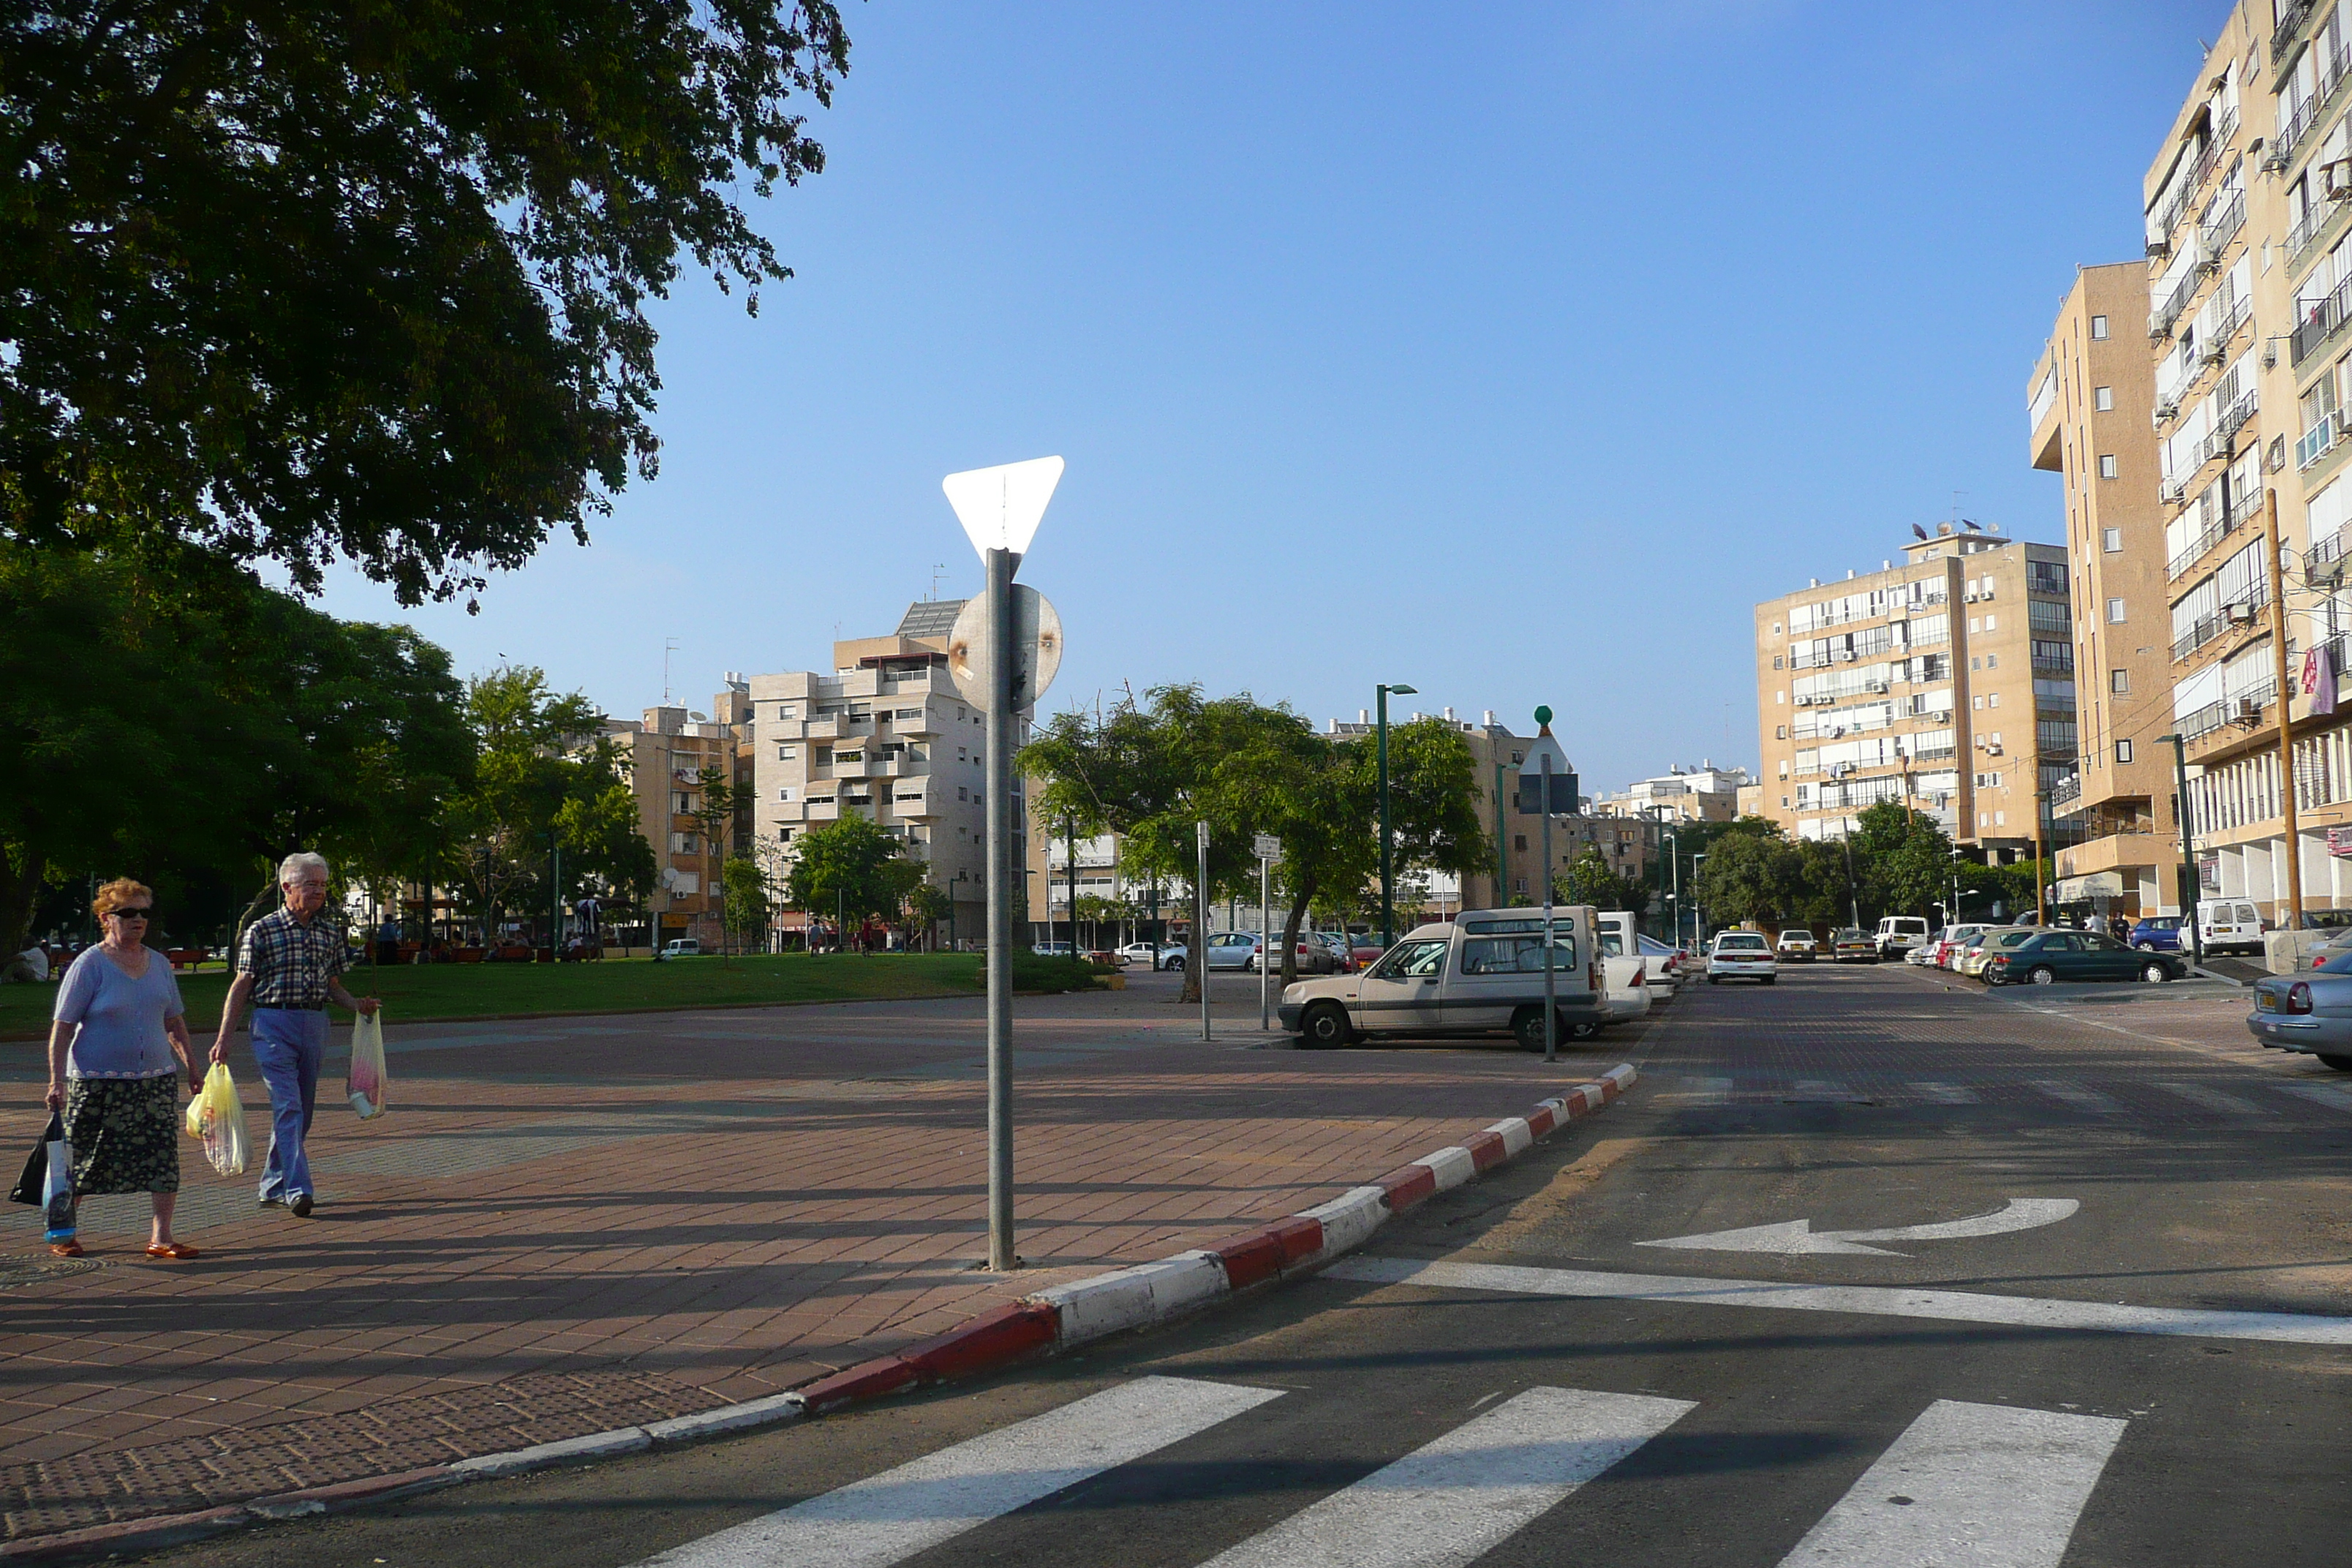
(118, 1049)
(290, 965)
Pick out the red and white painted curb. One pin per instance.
(1058, 1318)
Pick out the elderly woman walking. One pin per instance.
(290, 966)
(118, 1049)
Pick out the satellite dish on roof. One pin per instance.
(697, 718)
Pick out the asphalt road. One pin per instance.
(2153, 1371)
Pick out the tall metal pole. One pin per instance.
(1502, 847)
(1070, 841)
(2191, 886)
(2040, 851)
(1552, 1009)
(1388, 868)
(1201, 916)
(1264, 945)
(1004, 881)
(2293, 921)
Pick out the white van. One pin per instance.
(1898, 934)
(2228, 925)
(1483, 971)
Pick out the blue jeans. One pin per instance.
(288, 1045)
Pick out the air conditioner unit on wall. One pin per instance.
(2240, 613)
(2337, 179)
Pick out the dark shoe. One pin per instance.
(299, 1206)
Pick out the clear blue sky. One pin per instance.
(1510, 350)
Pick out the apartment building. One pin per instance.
(665, 752)
(2248, 205)
(1945, 682)
(884, 734)
(2090, 407)
(1701, 793)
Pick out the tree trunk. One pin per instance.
(1290, 933)
(20, 887)
(1196, 957)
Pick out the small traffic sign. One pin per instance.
(1037, 637)
(1200, 834)
(1268, 845)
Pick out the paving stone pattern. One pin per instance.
(569, 1226)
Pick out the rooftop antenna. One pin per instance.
(1955, 504)
(936, 567)
(669, 647)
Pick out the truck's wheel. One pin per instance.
(1526, 1027)
(1324, 1026)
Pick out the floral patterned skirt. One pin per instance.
(125, 1133)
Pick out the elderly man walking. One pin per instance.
(290, 966)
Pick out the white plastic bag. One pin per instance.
(217, 1117)
(367, 1080)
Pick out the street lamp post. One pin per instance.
(1699, 919)
(1674, 869)
(2191, 885)
(1388, 851)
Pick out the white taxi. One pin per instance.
(1741, 955)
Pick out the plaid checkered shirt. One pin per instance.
(291, 962)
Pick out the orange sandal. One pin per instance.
(65, 1249)
(172, 1249)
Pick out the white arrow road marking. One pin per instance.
(1456, 1498)
(2036, 1313)
(888, 1518)
(1986, 1485)
(1798, 1235)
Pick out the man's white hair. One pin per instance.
(299, 866)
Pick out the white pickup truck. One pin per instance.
(1482, 972)
(1626, 970)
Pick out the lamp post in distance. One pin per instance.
(1003, 653)
(1388, 857)
(2191, 885)
(1543, 778)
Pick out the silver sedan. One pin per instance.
(2311, 1012)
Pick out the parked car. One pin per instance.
(1948, 943)
(1663, 965)
(1898, 934)
(1796, 945)
(2156, 934)
(682, 947)
(1148, 953)
(1620, 939)
(1851, 944)
(1974, 953)
(1313, 957)
(1479, 973)
(1365, 951)
(1233, 949)
(1052, 948)
(2053, 955)
(2228, 925)
(2309, 1013)
(1741, 955)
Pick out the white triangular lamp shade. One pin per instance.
(999, 508)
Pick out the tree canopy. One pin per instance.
(853, 868)
(293, 281)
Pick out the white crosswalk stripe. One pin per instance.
(1947, 1094)
(2333, 1094)
(1986, 1485)
(2075, 1095)
(1452, 1500)
(2209, 1097)
(888, 1518)
(1702, 1091)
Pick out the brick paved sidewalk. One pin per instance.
(574, 1225)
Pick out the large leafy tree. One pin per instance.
(853, 868)
(189, 724)
(295, 280)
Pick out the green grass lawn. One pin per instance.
(415, 994)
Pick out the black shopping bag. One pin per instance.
(47, 1181)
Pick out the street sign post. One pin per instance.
(1201, 917)
(1552, 781)
(999, 508)
(1269, 850)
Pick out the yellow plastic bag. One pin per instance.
(216, 1117)
(366, 1081)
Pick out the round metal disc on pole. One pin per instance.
(1038, 649)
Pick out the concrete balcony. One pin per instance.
(2117, 852)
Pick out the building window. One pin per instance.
(1992, 661)
(783, 836)
(2098, 328)
(1784, 800)
(2123, 751)
(2114, 612)
(2001, 819)
(1781, 731)
(1994, 700)
(2107, 465)
(785, 710)
(786, 753)
(1992, 622)
(1776, 661)
(2111, 540)
(1518, 841)
(2119, 682)
(2103, 398)
(781, 794)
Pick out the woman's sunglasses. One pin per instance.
(146, 913)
